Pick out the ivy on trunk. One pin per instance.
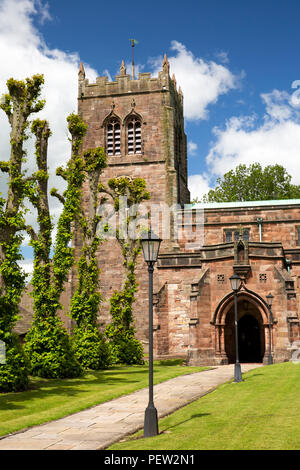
(125, 348)
(89, 343)
(19, 103)
(48, 344)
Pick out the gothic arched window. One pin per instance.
(113, 137)
(134, 140)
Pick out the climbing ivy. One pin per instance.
(48, 344)
(19, 103)
(89, 343)
(125, 348)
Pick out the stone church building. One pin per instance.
(139, 121)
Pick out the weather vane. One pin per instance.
(133, 43)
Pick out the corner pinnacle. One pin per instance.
(123, 68)
(174, 80)
(81, 73)
(166, 65)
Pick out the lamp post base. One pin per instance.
(151, 421)
(237, 372)
(270, 360)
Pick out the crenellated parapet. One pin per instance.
(124, 83)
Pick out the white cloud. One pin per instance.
(278, 105)
(192, 148)
(222, 56)
(106, 72)
(23, 53)
(202, 82)
(138, 68)
(27, 267)
(275, 141)
(198, 185)
(246, 140)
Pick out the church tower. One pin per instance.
(140, 124)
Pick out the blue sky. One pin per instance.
(256, 40)
(236, 62)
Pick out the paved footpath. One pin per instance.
(102, 425)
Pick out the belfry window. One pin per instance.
(113, 140)
(134, 143)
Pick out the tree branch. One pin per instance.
(31, 232)
(56, 194)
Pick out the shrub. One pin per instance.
(124, 347)
(14, 373)
(90, 347)
(50, 350)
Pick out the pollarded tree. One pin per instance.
(125, 348)
(48, 344)
(90, 345)
(22, 100)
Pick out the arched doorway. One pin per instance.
(251, 334)
(249, 339)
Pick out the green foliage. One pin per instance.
(49, 348)
(21, 101)
(13, 283)
(124, 347)
(253, 183)
(90, 345)
(121, 312)
(48, 344)
(133, 189)
(14, 373)
(91, 348)
(95, 160)
(63, 258)
(23, 96)
(121, 302)
(86, 299)
(77, 129)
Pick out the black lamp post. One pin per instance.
(235, 282)
(150, 245)
(269, 302)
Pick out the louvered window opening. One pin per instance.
(134, 137)
(113, 144)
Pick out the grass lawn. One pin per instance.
(262, 412)
(52, 399)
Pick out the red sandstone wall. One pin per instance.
(279, 224)
(189, 292)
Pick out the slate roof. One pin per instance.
(220, 205)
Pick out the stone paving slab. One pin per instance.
(102, 425)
